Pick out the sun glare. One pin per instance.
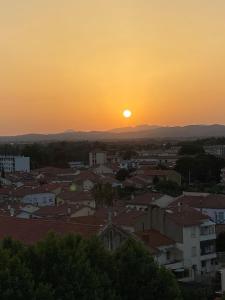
(127, 113)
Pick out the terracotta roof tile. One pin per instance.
(33, 230)
(185, 216)
(155, 239)
(145, 199)
(208, 201)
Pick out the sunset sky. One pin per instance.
(77, 64)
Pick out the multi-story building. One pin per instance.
(11, 164)
(212, 205)
(97, 158)
(194, 234)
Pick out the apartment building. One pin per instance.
(11, 164)
(194, 234)
(212, 205)
(97, 158)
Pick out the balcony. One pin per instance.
(175, 265)
(207, 256)
(206, 237)
(207, 232)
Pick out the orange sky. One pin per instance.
(78, 64)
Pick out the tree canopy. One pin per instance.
(191, 149)
(201, 168)
(70, 267)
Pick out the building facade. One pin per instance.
(11, 164)
(97, 158)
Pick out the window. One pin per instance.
(193, 251)
(168, 255)
(211, 229)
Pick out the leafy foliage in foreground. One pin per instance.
(67, 268)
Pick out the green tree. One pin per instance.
(168, 187)
(122, 174)
(191, 149)
(103, 194)
(201, 168)
(139, 278)
(15, 278)
(70, 268)
(196, 292)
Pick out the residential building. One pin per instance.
(11, 164)
(77, 165)
(30, 231)
(194, 234)
(128, 164)
(164, 250)
(143, 201)
(97, 158)
(212, 205)
(159, 175)
(79, 198)
(103, 170)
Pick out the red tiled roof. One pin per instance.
(90, 220)
(23, 191)
(185, 215)
(86, 175)
(155, 239)
(52, 170)
(75, 196)
(209, 201)
(145, 199)
(125, 218)
(128, 218)
(136, 180)
(5, 191)
(57, 211)
(33, 230)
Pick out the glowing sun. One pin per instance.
(127, 113)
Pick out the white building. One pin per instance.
(11, 164)
(97, 158)
(195, 237)
(39, 199)
(212, 205)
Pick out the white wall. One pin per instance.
(22, 164)
(189, 242)
(42, 199)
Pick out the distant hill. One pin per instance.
(134, 129)
(138, 132)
